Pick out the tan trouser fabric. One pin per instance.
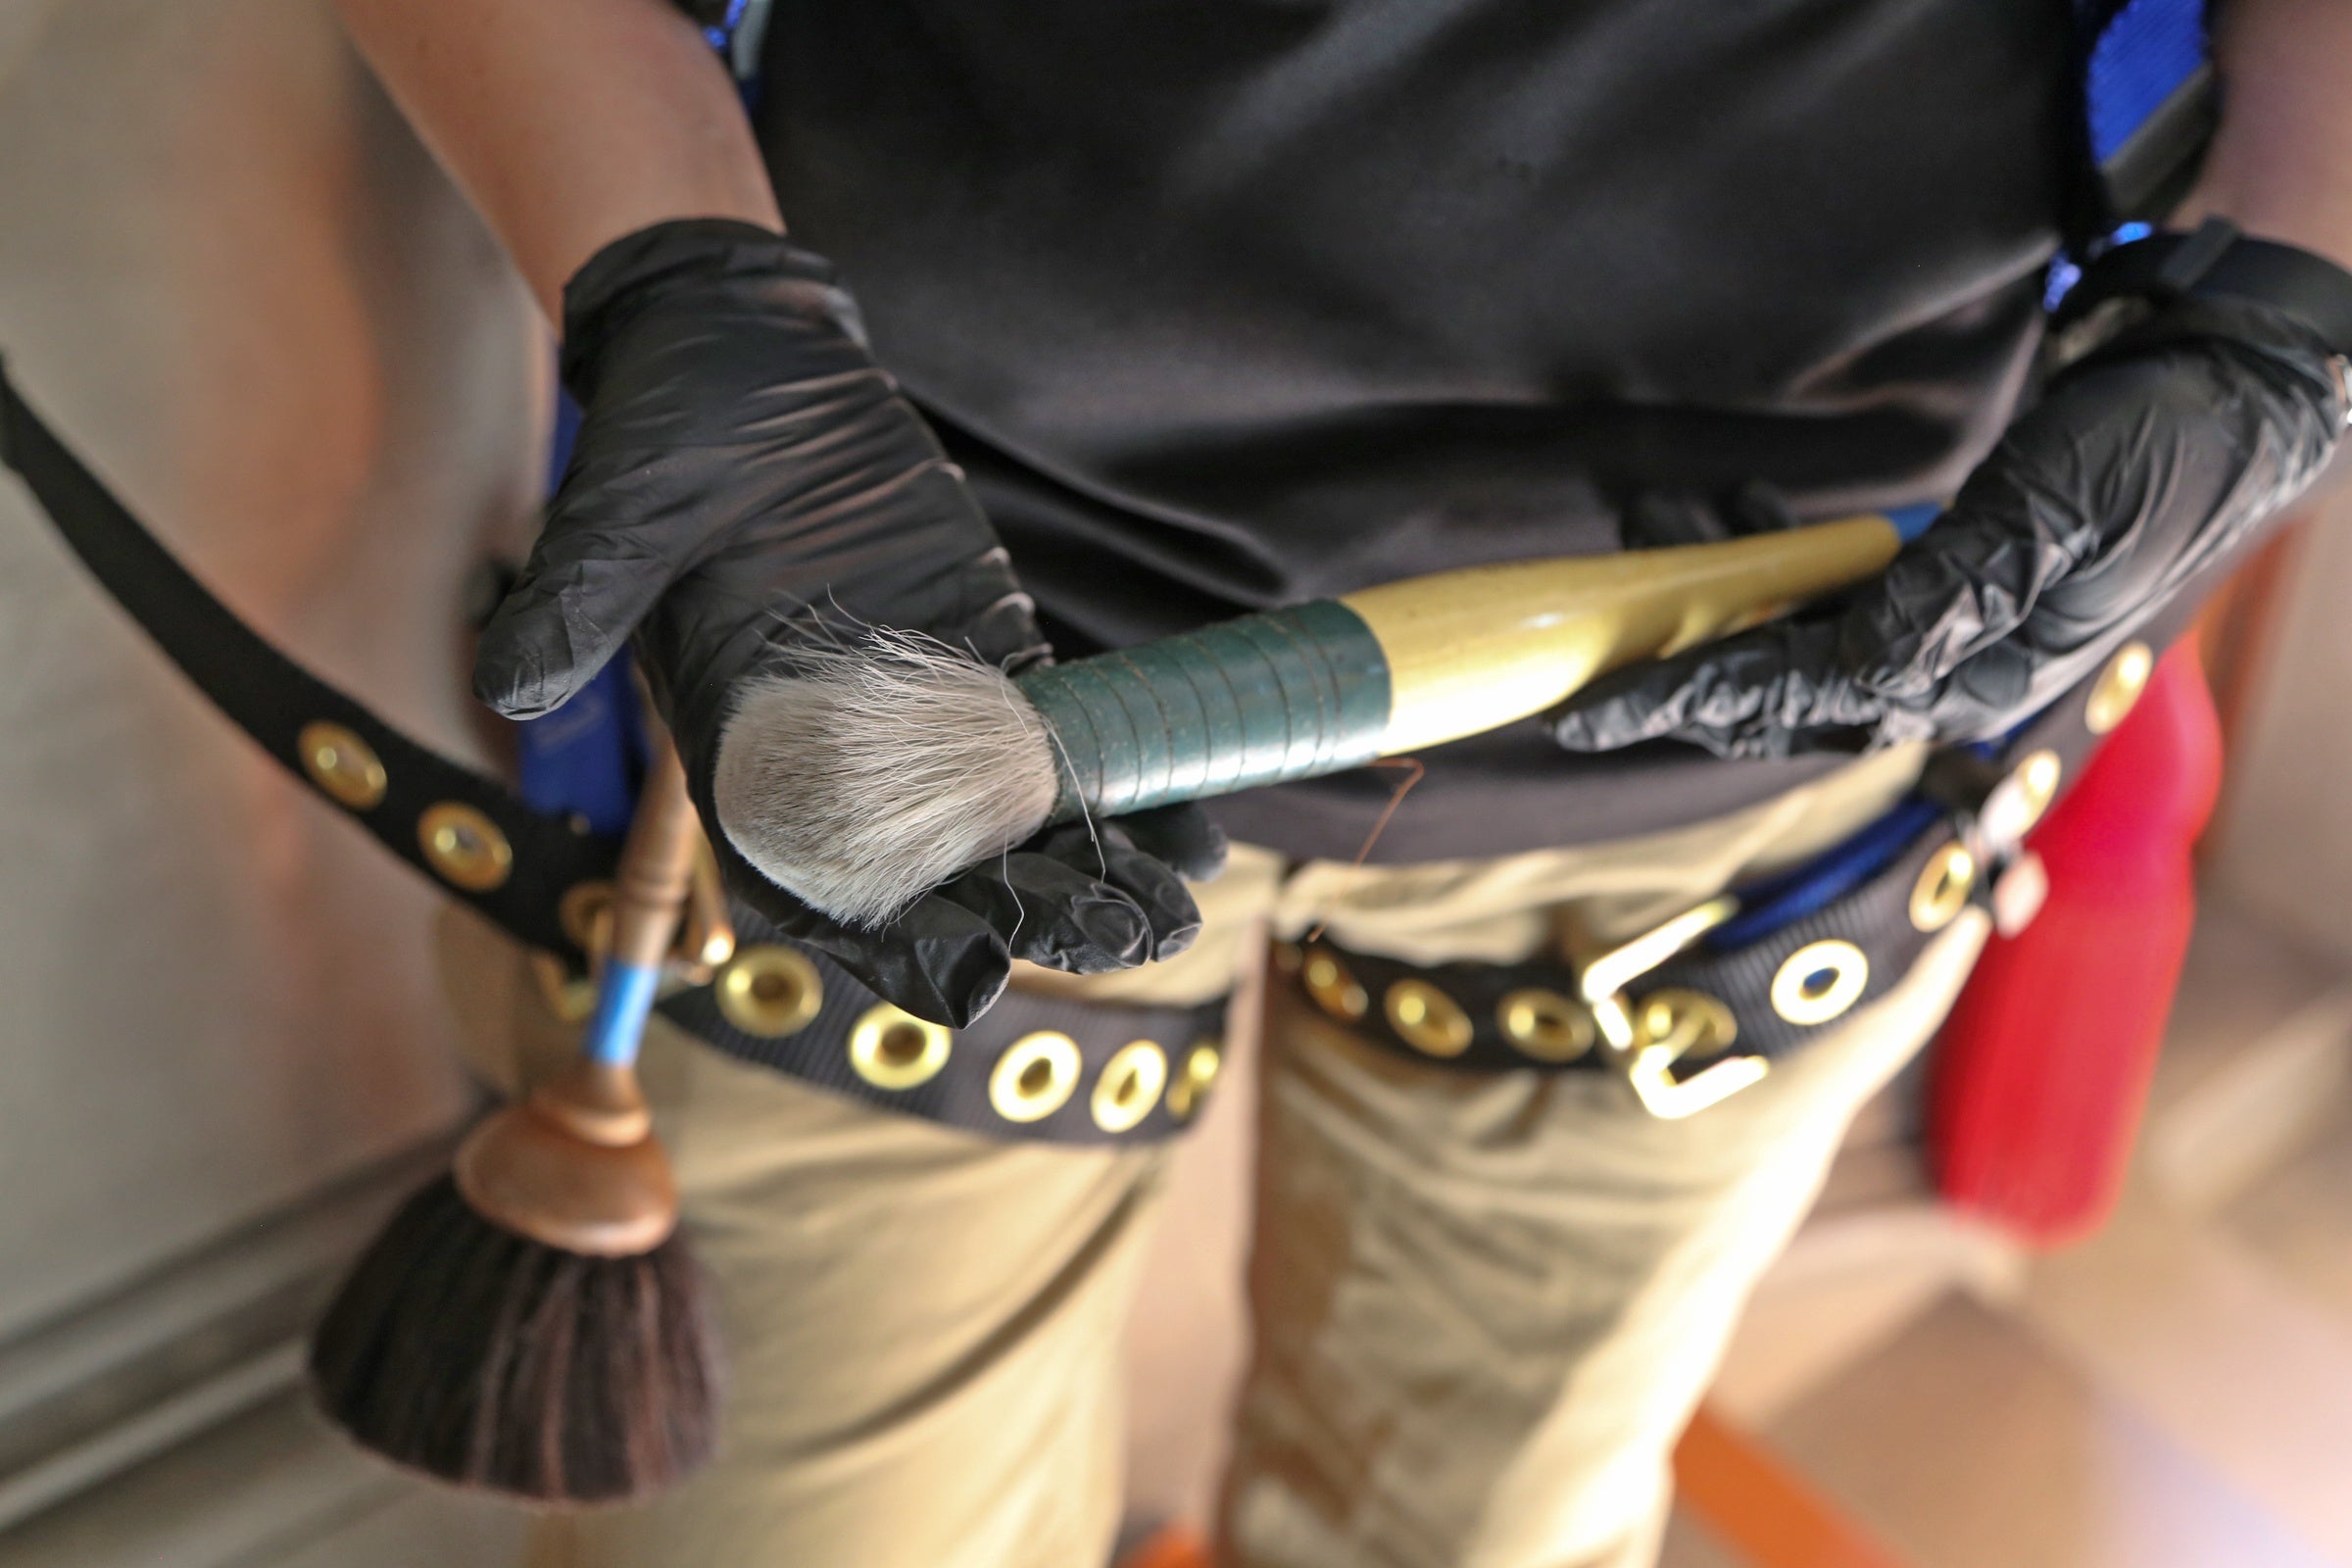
(922, 1332)
(1484, 1304)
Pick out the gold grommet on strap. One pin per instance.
(342, 764)
(2037, 776)
(569, 998)
(1818, 980)
(465, 847)
(1943, 886)
(1201, 1064)
(2019, 800)
(1675, 1024)
(2119, 687)
(1691, 1022)
(583, 910)
(1431, 1021)
(1545, 1025)
(1034, 1077)
(1130, 1085)
(1333, 989)
(891, 1047)
(769, 990)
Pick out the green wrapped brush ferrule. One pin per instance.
(1290, 694)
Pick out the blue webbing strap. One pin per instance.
(736, 29)
(2144, 56)
(584, 761)
(2148, 102)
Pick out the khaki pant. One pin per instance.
(1484, 1304)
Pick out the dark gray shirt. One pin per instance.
(1230, 302)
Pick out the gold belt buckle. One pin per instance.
(1644, 1040)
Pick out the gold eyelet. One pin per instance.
(1129, 1085)
(1675, 1024)
(1820, 981)
(569, 998)
(769, 990)
(1034, 1077)
(2035, 780)
(1333, 989)
(465, 847)
(891, 1047)
(583, 910)
(343, 765)
(1943, 886)
(1690, 1023)
(2119, 687)
(1201, 1066)
(1431, 1021)
(2039, 775)
(1545, 1025)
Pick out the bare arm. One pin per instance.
(568, 125)
(2282, 165)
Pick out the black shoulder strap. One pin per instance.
(472, 837)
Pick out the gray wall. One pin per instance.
(234, 281)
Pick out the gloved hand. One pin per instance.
(747, 479)
(2145, 462)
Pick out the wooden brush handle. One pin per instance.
(1321, 687)
(657, 865)
(575, 1165)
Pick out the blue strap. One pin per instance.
(2147, 96)
(583, 760)
(2147, 51)
(737, 34)
(1822, 881)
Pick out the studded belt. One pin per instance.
(1700, 1007)
(1688, 1012)
(1032, 1067)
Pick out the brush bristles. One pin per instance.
(466, 1352)
(874, 773)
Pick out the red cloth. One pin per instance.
(2043, 1067)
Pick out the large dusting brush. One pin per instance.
(532, 1323)
(874, 773)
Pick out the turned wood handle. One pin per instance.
(657, 865)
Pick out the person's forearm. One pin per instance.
(568, 125)
(2282, 165)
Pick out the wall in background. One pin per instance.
(2281, 844)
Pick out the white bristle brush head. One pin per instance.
(874, 772)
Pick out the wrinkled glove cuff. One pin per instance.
(641, 270)
(2294, 288)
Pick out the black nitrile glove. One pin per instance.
(747, 479)
(2143, 464)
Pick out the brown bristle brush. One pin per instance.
(532, 1323)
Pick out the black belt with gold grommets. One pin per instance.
(1688, 1012)
(1033, 1067)
(1700, 1007)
